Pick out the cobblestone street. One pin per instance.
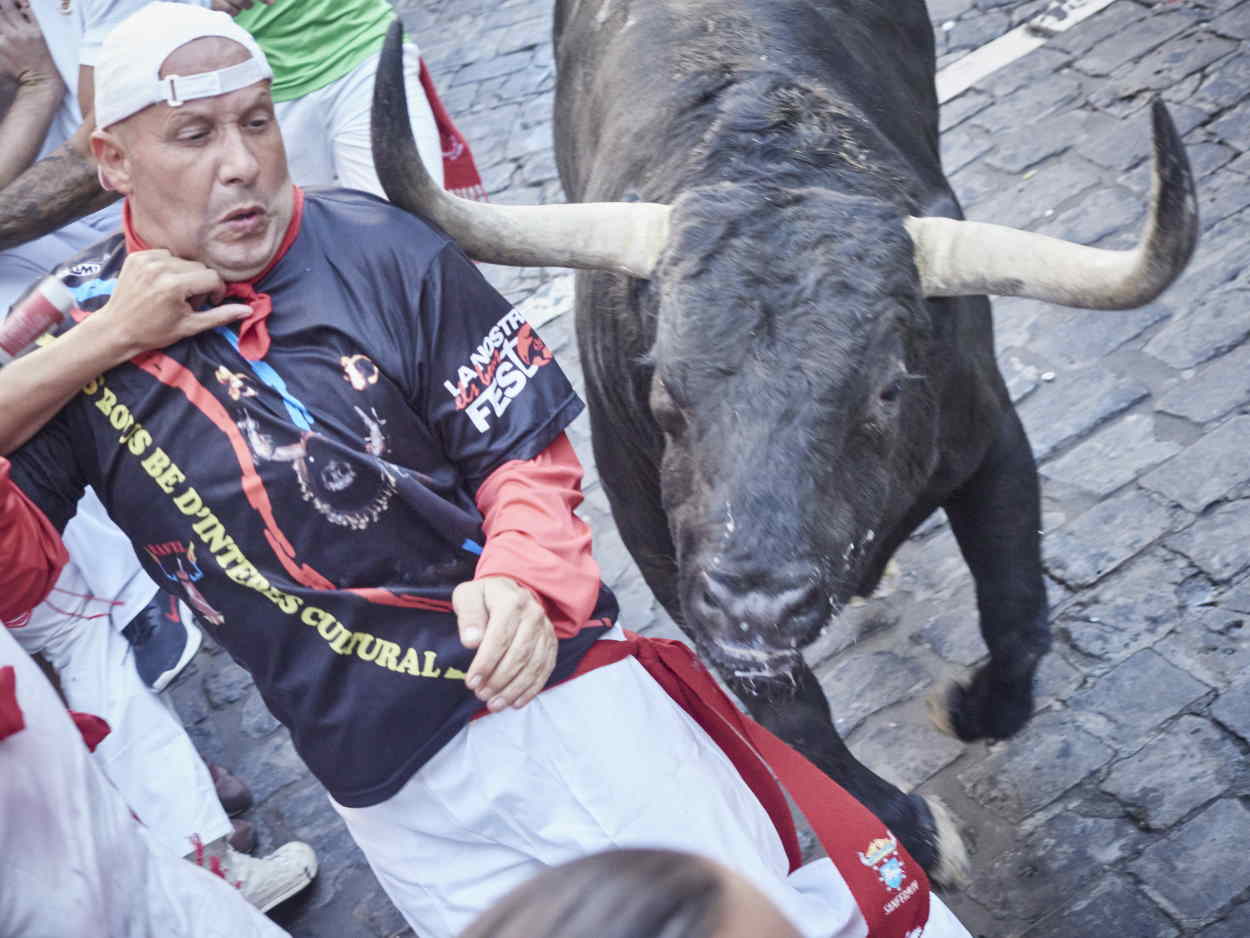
(1124, 807)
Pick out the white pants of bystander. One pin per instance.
(327, 131)
(148, 755)
(75, 861)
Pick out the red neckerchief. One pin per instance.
(460, 175)
(253, 334)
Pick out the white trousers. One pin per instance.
(75, 862)
(148, 755)
(606, 760)
(327, 131)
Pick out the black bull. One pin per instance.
(789, 385)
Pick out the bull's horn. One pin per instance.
(626, 237)
(957, 258)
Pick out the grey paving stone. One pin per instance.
(942, 10)
(1216, 542)
(1056, 679)
(953, 632)
(226, 684)
(1221, 259)
(1064, 410)
(1219, 323)
(1171, 63)
(1028, 198)
(960, 149)
(979, 183)
(1130, 610)
(1139, 693)
(1037, 141)
(1211, 643)
(1233, 707)
(1055, 92)
(860, 684)
(255, 720)
(1105, 211)
(1115, 144)
(1202, 866)
(1206, 157)
(1234, 23)
(528, 33)
(1107, 23)
(1206, 471)
(958, 110)
(493, 67)
(905, 753)
(1116, 907)
(270, 765)
(1214, 389)
(1014, 318)
(1037, 68)
(1133, 40)
(1191, 763)
(1037, 766)
(1051, 866)
(1235, 925)
(1222, 89)
(1113, 456)
(976, 28)
(1099, 541)
(1222, 196)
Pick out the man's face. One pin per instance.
(208, 179)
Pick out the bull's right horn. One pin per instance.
(957, 258)
(626, 237)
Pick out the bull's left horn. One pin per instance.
(626, 237)
(957, 258)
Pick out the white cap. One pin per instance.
(128, 68)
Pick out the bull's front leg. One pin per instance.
(996, 518)
(794, 708)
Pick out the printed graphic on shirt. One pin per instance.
(359, 371)
(498, 370)
(238, 385)
(177, 562)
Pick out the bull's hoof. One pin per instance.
(945, 855)
(984, 709)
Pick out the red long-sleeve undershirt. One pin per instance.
(527, 505)
(533, 536)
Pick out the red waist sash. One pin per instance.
(890, 887)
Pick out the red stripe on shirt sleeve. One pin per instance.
(31, 551)
(533, 536)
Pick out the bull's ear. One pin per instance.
(618, 236)
(957, 258)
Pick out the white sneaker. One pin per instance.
(264, 881)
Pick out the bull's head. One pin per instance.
(833, 358)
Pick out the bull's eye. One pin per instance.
(890, 393)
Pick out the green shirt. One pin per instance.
(310, 43)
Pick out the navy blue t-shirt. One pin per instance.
(316, 508)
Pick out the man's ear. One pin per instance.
(111, 161)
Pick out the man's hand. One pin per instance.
(23, 53)
(154, 303)
(235, 7)
(515, 641)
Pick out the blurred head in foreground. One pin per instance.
(634, 894)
